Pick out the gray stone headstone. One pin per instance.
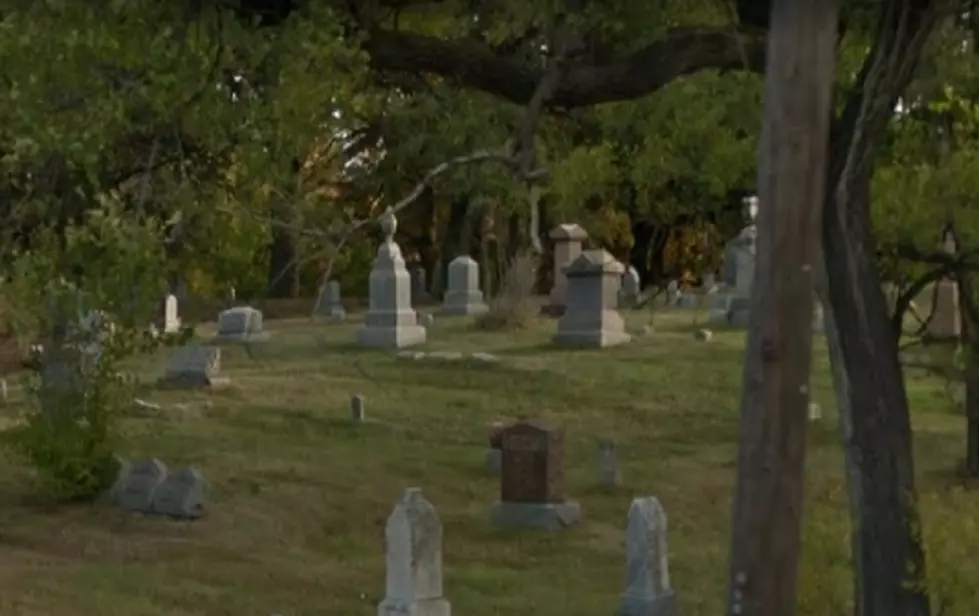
(180, 495)
(609, 473)
(330, 302)
(648, 591)
(170, 317)
(357, 411)
(631, 288)
(590, 317)
(463, 295)
(413, 539)
(241, 324)
(390, 321)
(140, 484)
(419, 285)
(194, 366)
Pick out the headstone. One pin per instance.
(815, 411)
(241, 324)
(390, 321)
(672, 293)
(532, 479)
(140, 485)
(357, 412)
(648, 591)
(330, 303)
(194, 366)
(590, 317)
(463, 295)
(733, 304)
(609, 473)
(419, 286)
(567, 246)
(413, 538)
(170, 314)
(180, 495)
(631, 288)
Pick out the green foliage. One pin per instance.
(87, 326)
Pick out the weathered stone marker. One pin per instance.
(648, 591)
(413, 539)
(180, 495)
(194, 366)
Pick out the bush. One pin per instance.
(514, 307)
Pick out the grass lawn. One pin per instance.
(299, 497)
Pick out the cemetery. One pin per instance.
(285, 477)
(436, 308)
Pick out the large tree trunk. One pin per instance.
(888, 552)
(767, 520)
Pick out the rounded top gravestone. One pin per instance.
(389, 224)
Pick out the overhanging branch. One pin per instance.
(473, 64)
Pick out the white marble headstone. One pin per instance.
(413, 538)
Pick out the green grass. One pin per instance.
(299, 497)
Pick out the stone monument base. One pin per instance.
(240, 338)
(638, 605)
(601, 339)
(420, 607)
(542, 516)
(397, 337)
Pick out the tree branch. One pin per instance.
(473, 64)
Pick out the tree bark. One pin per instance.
(767, 518)
(888, 553)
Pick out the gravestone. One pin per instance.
(532, 479)
(140, 484)
(330, 302)
(357, 411)
(390, 321)
(567, 240)
(169, 314)
(419, 286)
(648, 591)
(463, 295)
(631, 288)
(732, 304)
(609, 473)
(413, 542)
(180, 495)
(194, 366)
(946, 320)
(240, 324)
(591, 317)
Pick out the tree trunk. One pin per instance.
(456, 239)
(282, 277)
(969, 340)
(767, 517)
(888, 552)
(841, 391)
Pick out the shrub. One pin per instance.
(514, 307)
